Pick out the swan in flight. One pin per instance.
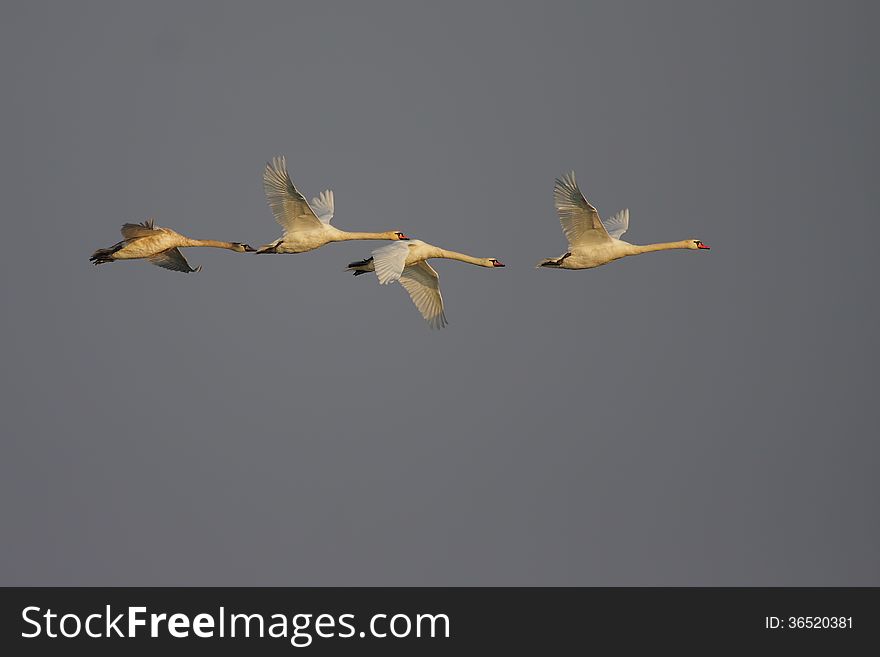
(591, 241)
(407, 262)
(306, 227)
(161, 246)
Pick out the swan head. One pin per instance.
(697, 244)
(398, 235)
(494, 262)
(238, 247)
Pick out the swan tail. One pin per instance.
(361, 267)
(102, 256)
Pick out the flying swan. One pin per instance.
(161, 246)
(591, 241)
(406, 262)
(306, 227)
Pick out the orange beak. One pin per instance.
(498, 263)
(703, 246)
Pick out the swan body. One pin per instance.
(306, 226)
(593, 242)
(159, 245)
(406, 262)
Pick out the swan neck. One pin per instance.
(455, 255)
(217, 244)
(344, 236)
(661, 246)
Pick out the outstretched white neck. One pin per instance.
(344, 236)
(217, 244)
(455, 255)
(662, 246)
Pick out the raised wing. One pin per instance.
(423, 285)
(323, 206)
(580, 220)
(390, 260)
(618, 224)
(172, 259)
(133, 231)
(290, 208)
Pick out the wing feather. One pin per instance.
(580, 220)
(144, 229)
(172, 259)
(423, 285)
(290, 208)
(618, 224)
(323, 206)
(390, 260)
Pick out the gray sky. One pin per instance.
(686, 418)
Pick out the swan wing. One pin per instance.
(580, 220)
(618, 224)
(172, 259)
(423, 285)
(144, 229)
(290, 208)
(389, 261)
(323, 206)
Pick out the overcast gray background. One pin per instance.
(684, 418)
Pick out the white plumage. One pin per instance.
(306, 226)
(159, 246)
(592, 242)
(406, 262)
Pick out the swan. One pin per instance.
(306, 227)
(407, 262)
(591, 241)
(161, 246)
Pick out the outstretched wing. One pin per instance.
(580, 220)
(618, 224)
(133, 231)
(290, 208)
(423, 285)
(323, 206)
(172, 259)
(390, 260)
